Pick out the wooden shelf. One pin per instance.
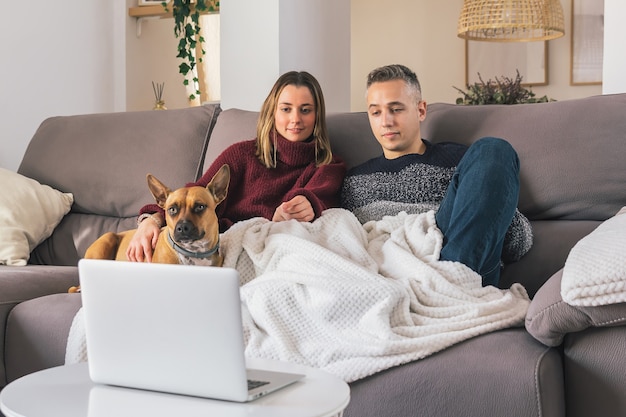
(156, 11)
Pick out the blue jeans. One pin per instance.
(479, 206)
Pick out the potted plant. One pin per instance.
(503, 90)
(186, 14)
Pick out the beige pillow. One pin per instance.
(29, 212)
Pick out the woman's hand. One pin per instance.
(298, 208)
(144, 241)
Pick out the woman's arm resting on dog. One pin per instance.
(298, 208)
(144, 241)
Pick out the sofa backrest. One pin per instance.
(571, 151)
(103, 159)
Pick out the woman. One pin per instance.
(287, 172)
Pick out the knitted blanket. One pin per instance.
(595, 270)
(354, 300)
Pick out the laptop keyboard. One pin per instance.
(252, 384)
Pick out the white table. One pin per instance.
(67, 391)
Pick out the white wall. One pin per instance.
(614, 66)
(262, 40)
(320, 44)
(58, 58)
(248, 66)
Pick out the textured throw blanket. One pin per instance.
(354, 300)
(595, 270)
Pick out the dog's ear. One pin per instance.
(158, 190)
(219, 183)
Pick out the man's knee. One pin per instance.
(497, 150)
(493, 144)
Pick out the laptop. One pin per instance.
(169, 328)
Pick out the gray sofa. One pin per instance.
(567, 361)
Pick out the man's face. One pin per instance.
(395, 118)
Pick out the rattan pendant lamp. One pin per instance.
(511, 20)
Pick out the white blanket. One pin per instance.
(355, 300)
(595, 270)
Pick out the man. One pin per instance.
(474, 190)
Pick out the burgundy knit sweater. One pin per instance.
(256, 191)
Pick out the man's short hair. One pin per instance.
(395, 72)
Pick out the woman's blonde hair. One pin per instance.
(266, 127)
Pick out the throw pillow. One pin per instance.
(29, 212)
(590, 291)
(549, 318)
(595, 270)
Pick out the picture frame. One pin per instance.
(498, 59)
(587, 42)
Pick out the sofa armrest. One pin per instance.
(22, 283)
(37, 332)
(549, 318)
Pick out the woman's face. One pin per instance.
(295, 113)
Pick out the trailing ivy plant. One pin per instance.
(186, 15)
(503, 90)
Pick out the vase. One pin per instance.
(159, 105)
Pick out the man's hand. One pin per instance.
(298, 208)
(143, 242)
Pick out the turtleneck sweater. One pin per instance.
(256, 191)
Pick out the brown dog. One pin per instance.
(191, 233)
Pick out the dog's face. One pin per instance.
(190, 211)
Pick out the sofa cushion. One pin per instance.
(552, 240)
(28, 282)
(29, 212)
(557, 142)
(505, 373)
(567, 167)
(549, 318)
(233, 125)
(36, 333)
(595, 372)
(103, 159)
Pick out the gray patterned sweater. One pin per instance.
(417, 183)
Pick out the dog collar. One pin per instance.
(191, 254)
